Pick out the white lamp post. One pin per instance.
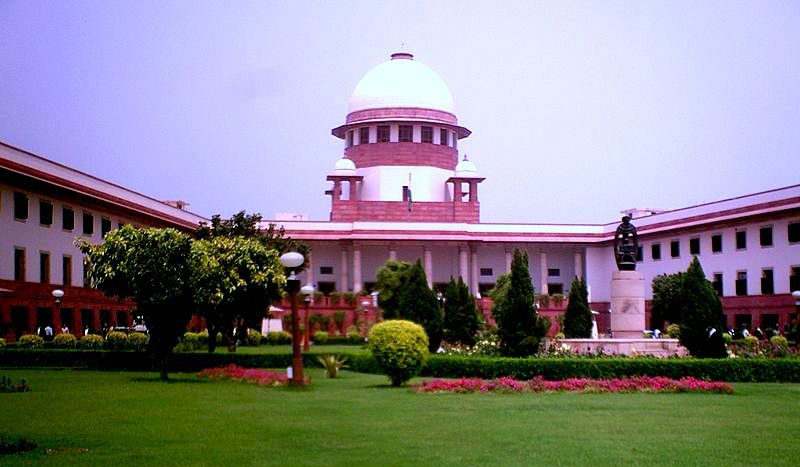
(292, 261)
(307, 291)
(796, 295)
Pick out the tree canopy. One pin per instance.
(151, 267)
(391, 277)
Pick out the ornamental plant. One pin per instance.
(65, 341)
(247, 375)
(578, 316)
(279, 338)
(320, 337)
(30, 341)
(253, 337)
(652, 384)
(400, 348)
(116, 340)
(137, 341)
(91, 342)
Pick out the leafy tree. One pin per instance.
(246, 225)
(234, 280)
(461, 318)
(578, 316)
(666, 299)
(151, 267)
(700, 311)
(418, 303)
(391, 278)
(514, 311)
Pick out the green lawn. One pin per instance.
(133, 419)
(287, 349)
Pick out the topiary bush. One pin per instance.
(65, 341)
(320, 337)
(253, 337)
(780, 346)
(202, 337)
(137, 341)
(674, 331)
(279, 338)
(400, 348)
(2, 343)
(91, 342)
(353, 337)
(190, 341)
(30, 341)
(116, 340)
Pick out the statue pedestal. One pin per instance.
(627, 304)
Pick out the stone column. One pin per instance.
(473, 282)
(427, 259)
(463, 263)
(578, 265)
(343, 279)
(353, 193)
(457, 192)
(310, 270)
(357, 269)
(337, 190)
(393, 252)
(473, 191)
(509, 259)
(543, 273)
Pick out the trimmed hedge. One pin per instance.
(440, 366)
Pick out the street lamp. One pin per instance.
(292, 261)
(307, 291)
(796, 295)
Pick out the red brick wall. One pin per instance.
(397, 211)
(393, 154)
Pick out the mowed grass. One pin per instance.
(287, 349)
(134, 419)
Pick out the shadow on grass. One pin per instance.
(156, 379)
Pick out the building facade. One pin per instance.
(401, 191)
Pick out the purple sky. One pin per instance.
(229, 105)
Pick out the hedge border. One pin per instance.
(439, 366)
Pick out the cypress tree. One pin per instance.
(700, 312)
(515, 313)
(578, 317)
(418, 303)
(461, 320)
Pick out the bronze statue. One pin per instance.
(626, 245)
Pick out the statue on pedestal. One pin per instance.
(626, 245)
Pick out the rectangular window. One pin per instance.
(326, 269)
(765, 236)
(741, 239)
(694, 246)
(767, 282)
(794, 232)
(741, 283)
(44, 267)
(19, 264)
(86, 274)
(427, 134)
(553, 289)
(67, 218)
(487, 272)
(406, 133)
(105, 226)
(716, 243)
(363, 135)
(349, 140)
(639, 254)
(794, 279)
(554, 272)
(20, 205)
(675, 248)
(383, 133)
(45, 212)
(655, 251)
(88, 224)
(717, 283)
(66, 271)
(444, 137)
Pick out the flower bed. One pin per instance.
(539, 384)
(248, 375)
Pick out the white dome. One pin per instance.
(466, 169)
(344, 166)
(401, 82)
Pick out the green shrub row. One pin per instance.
(440, 366)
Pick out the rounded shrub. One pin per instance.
(253, 337)
(674, 331)
(116, 340)
(30, 341)
(353, 337)
(190, 341)
(320, 337)
(727, 338)
(202, 337)
(91, 342)
(400, 348)
(137, 341)
(780, 346)
(2, 343)
(750, 343)
(279, 338)
(65, 341)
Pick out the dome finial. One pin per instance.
(465, 157)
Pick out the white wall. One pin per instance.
(385, 183)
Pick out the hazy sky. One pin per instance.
(578, 109)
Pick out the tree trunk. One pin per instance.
(164, 367)
(212, 339)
